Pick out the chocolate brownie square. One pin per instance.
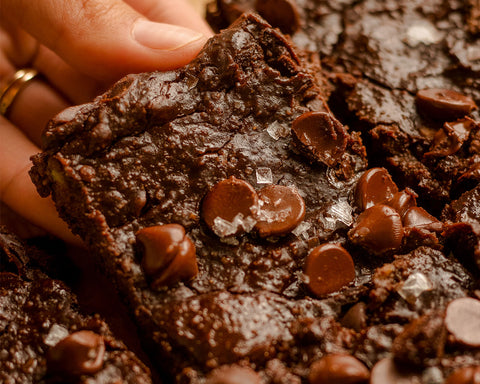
(44, 338)
(239, 221)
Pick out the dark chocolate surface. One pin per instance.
(390, 50)
(147, 152)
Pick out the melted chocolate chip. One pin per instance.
(417, 217)
(281, 14)
(282, 209)
(233, 374)
(386, 372)
(339, 369)
(444, 104)
(227, 205)
(329, 267)
(356, 317)
(79, 353)
(466, 375)
(450, 138)
(374, 187)
(378, 229)
(322, 137)
(462, 320)
(168, 254)
(402, 201)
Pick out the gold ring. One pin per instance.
(13, 88)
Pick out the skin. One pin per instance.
(81, 47)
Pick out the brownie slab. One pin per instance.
(44, 338)
(211, 178)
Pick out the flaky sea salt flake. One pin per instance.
(277, 130)
(223, 227)
(264, 175)
(414, 286)
(55, 334)
(342, 211)
(302, 229)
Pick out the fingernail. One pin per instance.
(163, 36)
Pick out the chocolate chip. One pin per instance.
(403, 200)
(356, 317)
(450, 138)
(465, 375)
(233, 374)
(79, 353)
(168, 254)
(444, 104)
(417, 217)
(329, 267)
(322, 137)
(230, 207)
(374, 186)
(339, 369)
(386, 372)
(281, 14)
(281, 210)
(378, 229)
(462, 320)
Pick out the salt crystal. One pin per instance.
(414, 286)
(277, 130)
(223, 228)
(342, 211)
(329, 223)
(247, 223)
(422, 33)
(272, 216)
(264, 175)
(302, 229)
(56, 333)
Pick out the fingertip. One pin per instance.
(159, 36)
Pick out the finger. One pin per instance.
(105, 38)
(34, 106)
(176, 12)
(16, 188)
(77, 87)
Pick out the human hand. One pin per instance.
(80, 47)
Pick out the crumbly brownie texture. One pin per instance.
(165, 164)
(380, 54)
(43, 337)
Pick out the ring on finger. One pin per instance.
(18, 82)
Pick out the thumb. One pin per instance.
(105, 39)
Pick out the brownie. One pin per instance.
(380, 54)
(44, 338)
(239, 220)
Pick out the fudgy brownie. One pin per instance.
(44, 338)
(239, 221)
(381, 54)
